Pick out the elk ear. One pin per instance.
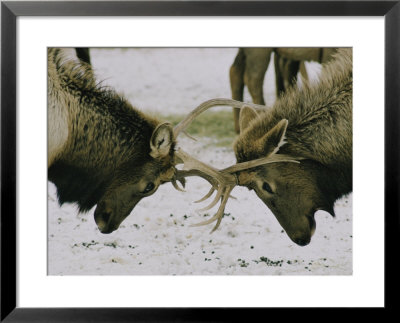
(274, 139)
(161, 140)
(246, 115)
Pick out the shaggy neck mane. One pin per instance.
(105, 131)
(76, 185)
(317, 113)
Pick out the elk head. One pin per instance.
(292, 191)
(128, 188)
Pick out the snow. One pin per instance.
(158, 237)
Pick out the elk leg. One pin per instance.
(257, 61)
(285, 73)
(236, 73)
(279, 63)
(83, 54)
(292, 69)
(254, 79)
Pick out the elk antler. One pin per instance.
(223, 181)
(181, 126)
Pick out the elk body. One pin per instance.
(251, 64)
(100, 149)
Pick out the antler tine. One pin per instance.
(222, 182)
(220, 213)
(181, 126)
(215, 201)
(175, 185)
(205, 197)
(274, 158)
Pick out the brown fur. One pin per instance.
(251, 64)
(101, 150)
(319, 131)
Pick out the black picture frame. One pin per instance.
(10, 10)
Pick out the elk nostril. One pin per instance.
(106, 216)
(102, 219)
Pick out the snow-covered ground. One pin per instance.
(157, 238)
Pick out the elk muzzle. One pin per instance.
(102, 219)
(109, 214)
(304, 238)
(302, 230)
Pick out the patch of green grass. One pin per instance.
(217, 125)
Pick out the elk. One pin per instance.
(251, 64)
(296, 156)
(101, 150)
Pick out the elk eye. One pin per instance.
(149, 187)
(267, 188)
